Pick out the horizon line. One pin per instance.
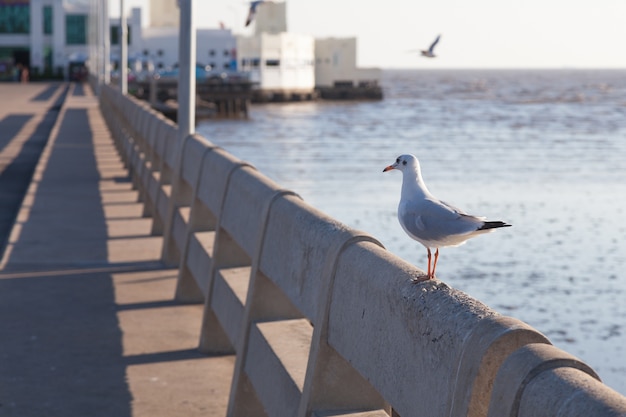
(565, 68)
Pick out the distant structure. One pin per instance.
(214, 47)
(50, 36)
(291, 66)
(156, 46)
(336, 73)
(271, 17)
(164, 13)
(282, 63)
(44, 36)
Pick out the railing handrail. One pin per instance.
(320, 316)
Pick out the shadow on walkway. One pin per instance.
(16, 173)
(64, 354)
(48, 93)
(62, 348)
(88, 326)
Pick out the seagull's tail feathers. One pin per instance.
(493, 225)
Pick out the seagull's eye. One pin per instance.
(397, 160)
(403, 162)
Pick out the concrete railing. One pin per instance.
(322, 319)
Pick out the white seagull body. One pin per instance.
(430, 221)
(252, 11)
(430, 52)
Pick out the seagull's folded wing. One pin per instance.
(434, 221)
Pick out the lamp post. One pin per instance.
(106, 42)
(123, 50)
(187, 70)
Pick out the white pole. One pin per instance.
(93, 41)
(123, 50)
(98, 45)
(101, 64)
(187, 70)
(107, 42)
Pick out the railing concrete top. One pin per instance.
(322, 319)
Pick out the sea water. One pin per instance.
(543, 150)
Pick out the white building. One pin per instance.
(158, 42)
(281, 62)
(214, 47)
(335, 64)
(271, 17)
(42, 35)
(135, 35)
(46, 35)
(164, 13)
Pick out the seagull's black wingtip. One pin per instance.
(494, 225)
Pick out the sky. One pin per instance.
(474, 33)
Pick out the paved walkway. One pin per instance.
(87, 322)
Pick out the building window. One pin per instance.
(226, 52)
(272, 62)
(15, 17)
(146, 52)
(76, 29)
(115, 35)
(211, 52)
(47, 59)
(160, 52)
(47, 20)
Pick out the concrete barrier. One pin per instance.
(541, 380)
(322, 319)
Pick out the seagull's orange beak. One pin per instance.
(389, 168)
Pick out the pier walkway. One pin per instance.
(88, 324)
(276, 309)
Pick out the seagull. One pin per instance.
(252, 11)
(430, 221)
(430, 53)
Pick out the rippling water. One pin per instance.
(542, 150)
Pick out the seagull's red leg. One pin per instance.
(435, 264)
(429, 256)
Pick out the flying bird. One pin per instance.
(430, 52)
(252, 11)
(430, 221)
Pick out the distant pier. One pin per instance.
(215, 97)
(231, 98)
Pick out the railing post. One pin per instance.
(346, 388)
